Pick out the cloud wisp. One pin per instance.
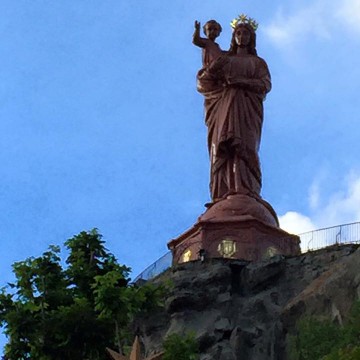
(318, 19)
(296, 223)
(340, 207)
(290, 29)
(348, 13)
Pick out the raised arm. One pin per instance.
(197, 39)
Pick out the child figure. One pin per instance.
(211, 56)
(210, 49)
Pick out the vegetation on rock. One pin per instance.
(178, 347)
(325, 340)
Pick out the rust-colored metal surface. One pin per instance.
(237, 227)
(238, 222)
(114, 355)
(135, 353)
(234, 85)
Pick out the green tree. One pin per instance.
(74, 311)
(119, 304)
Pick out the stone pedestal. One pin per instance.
(238, 227)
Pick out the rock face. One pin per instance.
(240, 310)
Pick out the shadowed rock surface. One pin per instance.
(240, 310)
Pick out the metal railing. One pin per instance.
(156, 268)
(309, 241)
(334, 235)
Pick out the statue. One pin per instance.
(234, 85)
(238, 223)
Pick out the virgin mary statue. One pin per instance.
(234, 86)
(238, 223)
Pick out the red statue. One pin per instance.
(234, 84)
(211, 49)
(238, 224)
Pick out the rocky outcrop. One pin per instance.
(240, 310)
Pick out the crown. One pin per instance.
(244, 19)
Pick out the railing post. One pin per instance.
(338, 235)
(312, 238)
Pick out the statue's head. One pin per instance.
(243, 36)
(212, 29)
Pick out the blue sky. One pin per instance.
(101, 125)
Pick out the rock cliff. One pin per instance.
(241, 310)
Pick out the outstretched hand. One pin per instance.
(197, 25)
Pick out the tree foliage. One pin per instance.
(73, 311)
(324, 340)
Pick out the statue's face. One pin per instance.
(242, 36)
(212, 31)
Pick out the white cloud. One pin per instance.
(314, 195)
(310, 20)
(319, 19)
(341, 207)
(296, 223)
(348, 12)
(316, 188)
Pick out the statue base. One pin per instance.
(237, 227)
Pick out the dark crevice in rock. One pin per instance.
(236, 287)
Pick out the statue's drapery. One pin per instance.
(234, 95)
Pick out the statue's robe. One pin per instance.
(234, 94)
